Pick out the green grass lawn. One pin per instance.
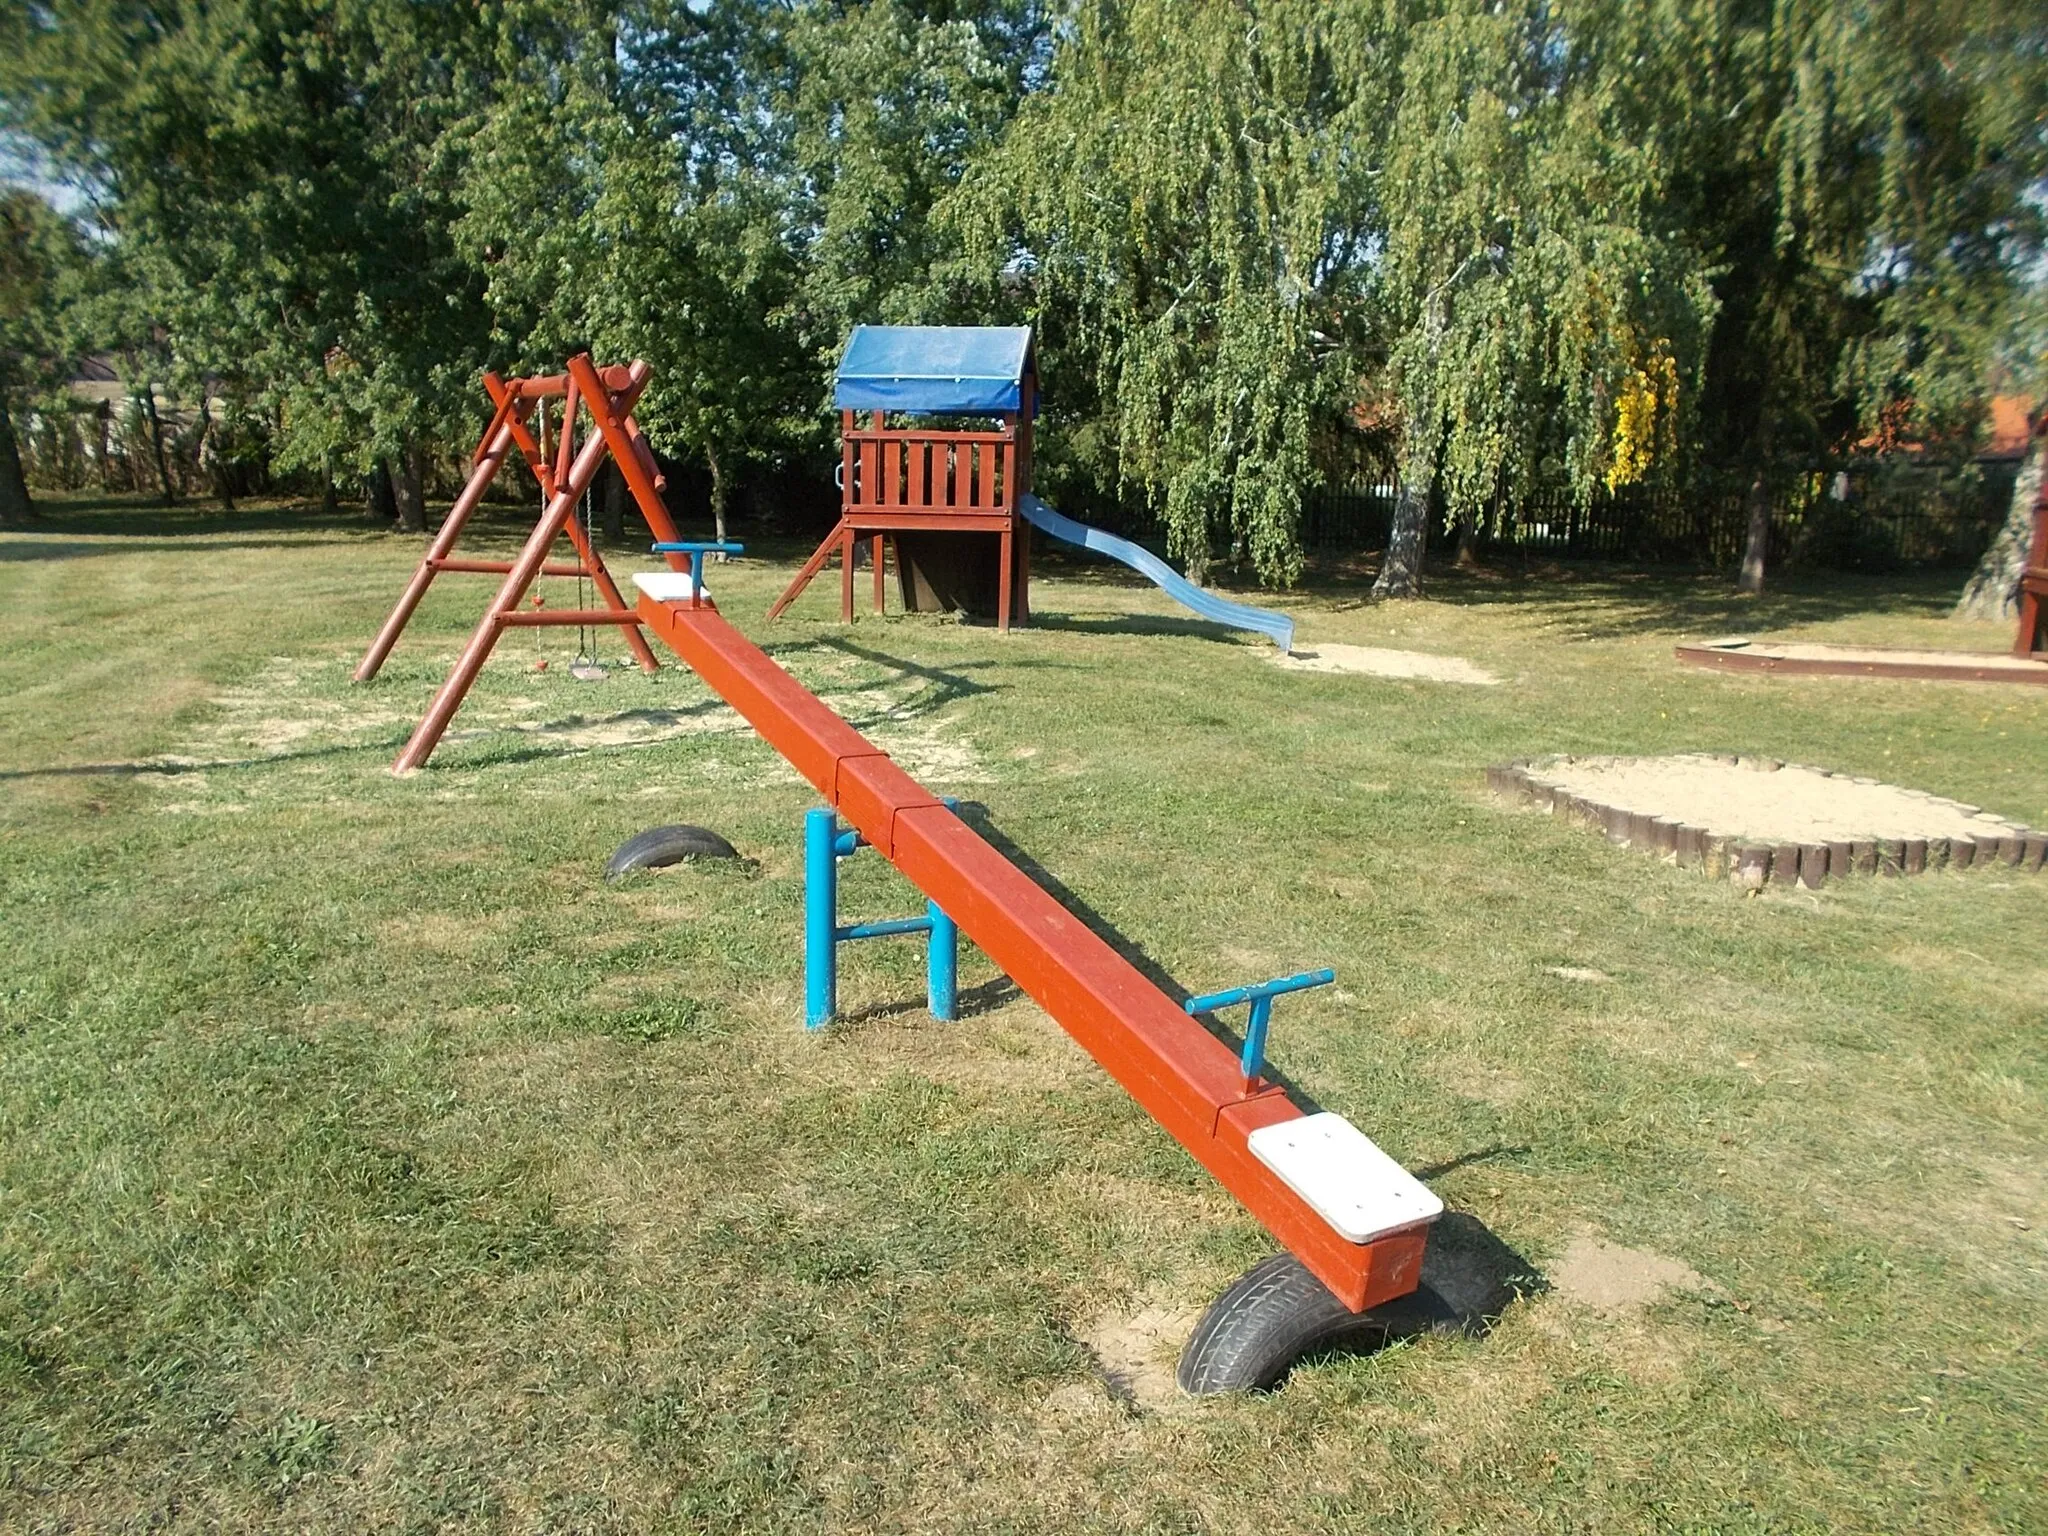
(366, 1162)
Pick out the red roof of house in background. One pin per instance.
(2010, 428)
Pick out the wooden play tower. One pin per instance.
(916, 477)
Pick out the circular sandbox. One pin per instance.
(1758, 820)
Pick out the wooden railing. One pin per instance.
(927, 471)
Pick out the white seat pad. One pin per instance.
(666, 586)
(1348, 1181)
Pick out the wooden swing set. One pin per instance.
(607, 396)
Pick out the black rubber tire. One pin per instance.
(1253, 1334)
(660, 846)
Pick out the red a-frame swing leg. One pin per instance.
(495, 448)
(527, 566)
(592, 563)
(612, 411)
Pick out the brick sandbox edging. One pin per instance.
(1752, 863)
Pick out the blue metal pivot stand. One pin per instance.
(1261, 998)
(825, 844)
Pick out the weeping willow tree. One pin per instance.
(1265, 218)
(1861, 181)
(1180, 200)
(1537, 329)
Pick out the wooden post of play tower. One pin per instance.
(944, 497)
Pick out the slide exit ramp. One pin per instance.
(1188, 1080)
(1276, 627)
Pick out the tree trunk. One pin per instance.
(379, 500)
(612, 507)
(717, 497)
(209, 453)
(1401, 572)
(406, 484)
(1468, 540)
(156, 442)
(1993, 591)
(16, 505)
(1757, 544)
(104, 415)
(327, 498)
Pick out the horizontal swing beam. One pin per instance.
(504, 567)
(535, 618)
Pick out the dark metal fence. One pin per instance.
(1856, 518)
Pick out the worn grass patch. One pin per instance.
(367, 1162)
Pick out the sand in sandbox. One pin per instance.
(1767, 802)
(1373, 662)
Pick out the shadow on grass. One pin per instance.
(977, 815)
(29, 550)
(1470, 1277)
(171, 768)
(131, 524)
(951, 682)
(1135, 624)
(1617, 601)
(973, 1002)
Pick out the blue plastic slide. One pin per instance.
(1276, 627)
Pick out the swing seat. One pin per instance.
(1347, 1180)
(666, 586)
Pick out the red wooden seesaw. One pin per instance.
(1354, 1222)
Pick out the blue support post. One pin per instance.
(825, 844)
(821, 917)
(942, 965)
(696, 550)
(1253, 1056)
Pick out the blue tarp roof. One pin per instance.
(935, 369)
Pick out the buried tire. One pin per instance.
(1277, 1312)
(658, 847)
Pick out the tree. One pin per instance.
(617, 200)
(1262, 217)
(272, 176)
(1178, 202)
(40, 260)
(1993, 590)
(1858, 180)
(1538, 324)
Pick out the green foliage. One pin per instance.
(1524, 291)
(1857, 182)
(272, 177)
(42, 266)
(1523, 249)
(886, 107)
(1254, 217)
(1180, 198)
